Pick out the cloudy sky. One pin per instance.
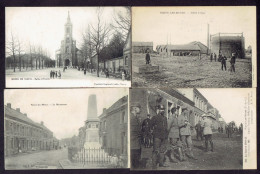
(229, 101)
(45, 25)
(187, 24)
(64, 120)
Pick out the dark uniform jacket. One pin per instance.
(233, 60)
(159, 125)
(147, 57)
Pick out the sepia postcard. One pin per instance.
(193, 129)
(68, 47)
(66, 128)
(186, 47)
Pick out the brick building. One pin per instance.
(113, 127)
(21, 134)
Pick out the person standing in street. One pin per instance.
(206, 124)
(147, 58)
(159, 127)
(223, 62)
(232, 62)
(215, 57)
(185, 133)
(211, 57)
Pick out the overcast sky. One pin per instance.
(45, 25)
(153, 24)
(64, 121)
(230, 102)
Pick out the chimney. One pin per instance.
(104, 110)
(18, 109)
(8, 105)
(42, 123)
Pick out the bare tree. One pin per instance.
(20, 51)
(122, 22)
(99, 35)
(12, 48)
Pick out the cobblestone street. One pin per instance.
(37, 160)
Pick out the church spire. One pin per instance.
(68, 18)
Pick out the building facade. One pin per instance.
(21, 134)
(113, 127)
(66, 56)
(142, 47)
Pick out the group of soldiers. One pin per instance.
(222, 58)
(170, 138)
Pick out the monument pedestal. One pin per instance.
(150, 68)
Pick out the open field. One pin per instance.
(188, 72)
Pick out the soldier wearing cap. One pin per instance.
(159, 126)
(207, 132)
(185, 133)
(174, 133)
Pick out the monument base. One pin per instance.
(92, 145)
(146, 68)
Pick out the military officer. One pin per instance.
(185, 133)
(207, 132)
(159, 127)
(174, 133)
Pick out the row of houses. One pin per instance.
(21, 134)
(224, 43)
(192, 99)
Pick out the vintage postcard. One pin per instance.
(68, 47)
(193, 129)
(186, 47)
(66, 128)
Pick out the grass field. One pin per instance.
(188, 72)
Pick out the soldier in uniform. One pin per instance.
(199, 131)
(135, 136)
(146, 129)
(159, 127)
(185, 133)
(206, 124)
(174, 135)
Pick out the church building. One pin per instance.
(67, 55)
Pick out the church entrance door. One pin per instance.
(67, 62)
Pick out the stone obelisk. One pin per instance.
(92, 124)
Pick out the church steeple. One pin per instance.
(68, 18)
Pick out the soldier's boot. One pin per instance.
(191, 155)
(181, 155)
(206, 146)
(211, 143)
(171, 157)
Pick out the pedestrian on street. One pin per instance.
(199, 130)
(207, 124)
(159, 127)
(59, 74)
(232, 62)
(211, 57)
(215, 57)
(85, 71)
(123, 75)
(229, 130)
(185, 133)
(174, 136)
(135, 136)
(51, 74)
(223, 62)
(56, 74)
(147, 58)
